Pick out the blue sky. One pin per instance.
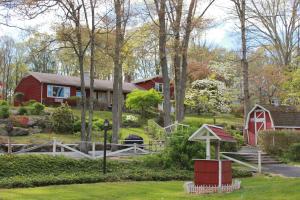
(221, 35)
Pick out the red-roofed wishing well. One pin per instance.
(221, 133)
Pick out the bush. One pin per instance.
(180, 152)
(30, 102)
(62, 119)
(19, 97)
(4, 111)
(3, 103)
(277, 142)
(23, 111)
(130, 121)
(294, 152)
(41, 170)
(37, 108)
(143, 101)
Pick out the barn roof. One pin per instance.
(283, 116)
(75, 81)
(211, 132)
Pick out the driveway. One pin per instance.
(282, 169)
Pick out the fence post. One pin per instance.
(135, 150)
(9, 147)
(94, 150)
(54, 146)
(259, 161)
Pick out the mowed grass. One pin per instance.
(257, 188)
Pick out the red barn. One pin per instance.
(53, 89)
(270, 117)
(154, 82)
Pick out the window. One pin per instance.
(78, 93)
(159, 87)
(58, 91)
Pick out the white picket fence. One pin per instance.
(191, 188)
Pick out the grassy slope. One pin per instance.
(193, 120)
(262, 188)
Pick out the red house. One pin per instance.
(53, 89)
(154, 82)
(270, 117)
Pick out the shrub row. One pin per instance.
(278, 142)
(41, 170)
(4, 109)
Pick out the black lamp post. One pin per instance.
(105, 127)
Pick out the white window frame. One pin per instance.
(67, 91)
(157, 87)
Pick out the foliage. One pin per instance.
(208, 96)
(154, 130)
(293, 153)
(62, 119)
(30, 102)
(143, 101)
(292, 87)
(4, 110)
(23, 111)
(19, 97)
(130, 121)
(3, 103)
(180, 152)
(278, 142)
(37, 108)
(39, 170)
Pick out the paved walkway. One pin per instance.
(282, 169)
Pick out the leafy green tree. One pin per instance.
(63, 119)
(143, 101)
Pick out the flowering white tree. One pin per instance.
(208, 96)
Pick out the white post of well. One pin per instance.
(207, 149)
(259, 161)
(54, 146)
(220, 176)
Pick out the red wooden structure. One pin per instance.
(212, 172)
(206, 172)
(270, 117)
(154, 82)
(54, 89)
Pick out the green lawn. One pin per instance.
(258, 188)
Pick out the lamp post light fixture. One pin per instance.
(105, 127)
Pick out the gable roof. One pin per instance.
(282, 116)
(75, 81)
(147, 79)
(217, 133)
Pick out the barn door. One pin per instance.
(259, 122)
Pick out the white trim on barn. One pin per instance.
(249, 113)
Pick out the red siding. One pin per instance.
(31, 88)
(147, 85)
(251, 126)
(206, 172)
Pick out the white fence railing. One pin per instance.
(256, 168)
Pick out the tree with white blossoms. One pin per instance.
(208, 96)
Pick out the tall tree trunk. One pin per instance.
(117, 85)
(244, 61)
(80, 55)
(177, 60)
(163, 60)
(92, 71)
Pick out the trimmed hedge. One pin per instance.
(278, 142)
(42, 170)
